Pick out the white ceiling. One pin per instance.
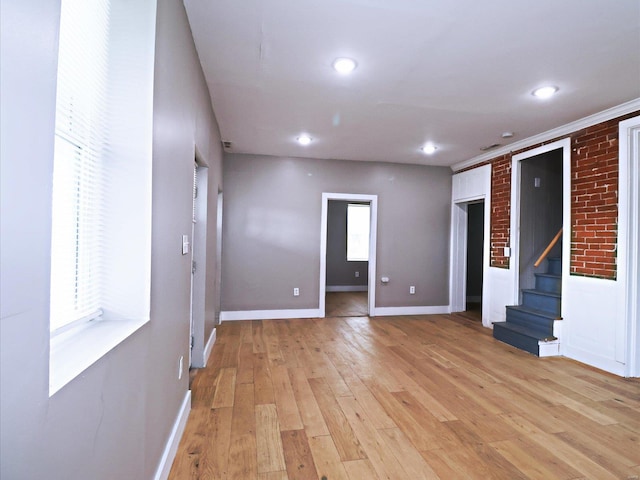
(457, 73)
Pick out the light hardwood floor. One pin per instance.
(346, 304)
(401, 398)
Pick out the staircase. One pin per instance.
(530, 326)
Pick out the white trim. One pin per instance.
(628, 239)
(589, 358)
(558, 132)
(209, 346)
(549, 349)
(199, 241)
(74, 351)
(398, 311)
(171, 447)
(346, 288)
(468, 187)
(373, 236)
(269, 314)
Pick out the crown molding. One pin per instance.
(564, 130)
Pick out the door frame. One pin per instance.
(373, 236)
(628, 238)
(469, 187)
(514, 242)
(199, 256)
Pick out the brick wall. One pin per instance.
(594, 200)
(500, 209)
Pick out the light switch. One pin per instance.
(185, 244)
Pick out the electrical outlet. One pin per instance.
(180, 367)
(357, 274)
(296, 292)
(412, 290)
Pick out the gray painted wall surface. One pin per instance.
(271, 238)
(339, 271)
(114, 419)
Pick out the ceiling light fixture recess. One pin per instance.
(304, 139)
(545, 92)
(429, 149)
(344, 66)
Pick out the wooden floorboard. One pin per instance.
(415, 397)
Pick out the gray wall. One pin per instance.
(114, 419)
(339, 271)
(271, 239)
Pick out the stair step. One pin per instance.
(519, 336)
(548, 282)
(538, 320)
(539, 300)
(554, 265)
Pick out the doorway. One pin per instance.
(351, 275)
(474, 264)
(471, 188)
(541, 195)
(348, 226)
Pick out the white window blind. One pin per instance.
(358, 225)
(80, 176)
(195, 191)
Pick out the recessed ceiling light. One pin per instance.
(545, 92)
(304, 139)
(344, 65)
(507, 134)
(429, 148)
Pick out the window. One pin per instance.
(101, 205)
(358, 219)
(79, 173)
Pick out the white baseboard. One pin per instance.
(603, 363)
(171, 448)
(315, 313)
(393, 311)
(346, 288)
(269, 314)
(209, 346)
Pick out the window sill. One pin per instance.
(76, 350)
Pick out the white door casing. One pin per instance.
(469, 186)
(628, 332)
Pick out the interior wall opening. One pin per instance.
(541, 195)
(474, 262)
(347, 262)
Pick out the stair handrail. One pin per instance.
(548, 249)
